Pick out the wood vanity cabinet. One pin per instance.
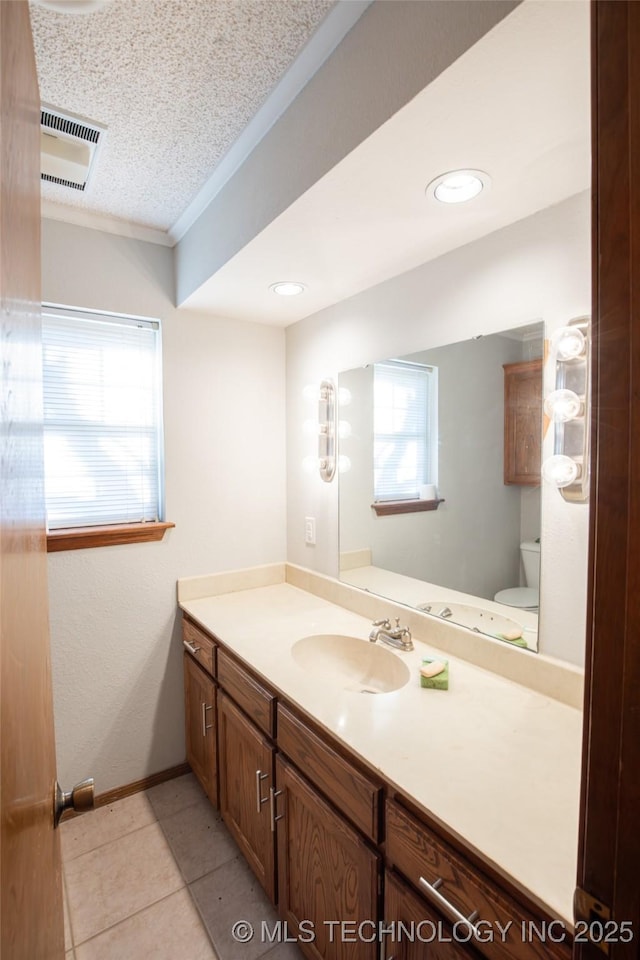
(326, 872)
(438, 871)
(200, 706)
(523, 423)
(200, 718)
(246, 778)
(415, 931)
(311, 819)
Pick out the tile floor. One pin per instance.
(157, 875)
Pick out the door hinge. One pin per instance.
(590, 915)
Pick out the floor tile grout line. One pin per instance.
(134, 914)
(156, 819)
(236, 854)
(65, 894)
(115, 840)
(99, 846)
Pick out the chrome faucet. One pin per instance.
(397, 636)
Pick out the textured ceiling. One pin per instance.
(174, 81)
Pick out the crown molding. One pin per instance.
(100, 221)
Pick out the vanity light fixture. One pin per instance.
(458, 186)
(568, 408)
(327, 413)
(327, 428)
(287, 288)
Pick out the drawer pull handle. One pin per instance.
(260, 800)
(191, 647)
(443, 903)
(205, 726)
(273, 795)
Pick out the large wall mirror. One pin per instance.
(440, 507)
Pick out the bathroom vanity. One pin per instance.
(360, 810)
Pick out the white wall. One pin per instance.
(117, 669)
(536, 269)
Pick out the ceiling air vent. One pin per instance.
(68, 147)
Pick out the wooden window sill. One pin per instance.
(385, 508)
(81, 538)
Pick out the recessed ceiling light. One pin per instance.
(287, 288)
(458, 186)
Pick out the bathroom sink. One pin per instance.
(351, 663)
(474, 618)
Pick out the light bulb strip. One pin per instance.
(327, 430)
(568, 468)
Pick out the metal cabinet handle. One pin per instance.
(260, 800)
(205, 726)
(191, 647)
(443, 903)
(273, 795)
(80, 799)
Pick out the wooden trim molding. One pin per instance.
(81, 538)
(119, 793)
(385, 508)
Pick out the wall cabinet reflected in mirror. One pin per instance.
(465, 419)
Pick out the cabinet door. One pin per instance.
(523, 423)
(246, 776)
(200, 723)
(414, 931)
(327, 875)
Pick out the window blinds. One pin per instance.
(102, 419)
(405, 426)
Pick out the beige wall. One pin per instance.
(116, 654)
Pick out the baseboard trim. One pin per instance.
(118, 793)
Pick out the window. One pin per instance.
(405, 428)
(102, 420)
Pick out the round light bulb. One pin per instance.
(287, 288)
(344, 396)
(563, 405)
(458, 186)
(344, 464)
(560, 470)
(311, 392)
(569, 343)
(344, 429)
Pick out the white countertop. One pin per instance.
(498, 764)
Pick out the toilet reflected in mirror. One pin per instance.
(525, 597)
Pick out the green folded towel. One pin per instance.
(438, 681)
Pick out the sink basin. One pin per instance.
(351, 663)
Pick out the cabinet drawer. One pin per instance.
(417, 853)
(200, 646)
(352, 792)
(256, 701)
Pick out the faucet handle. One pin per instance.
(381, 623)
